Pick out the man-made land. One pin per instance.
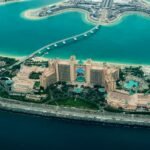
(8, 1)
(100, 12)
(76, 89)
(77, 83)
(74, 113)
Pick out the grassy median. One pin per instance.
(78, 103)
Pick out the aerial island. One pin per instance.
(74, 88)
(98, 11)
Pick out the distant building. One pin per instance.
(80, 72)
(146, 70)
(122, 99)
(22, 83)
(2, 63)
(49, 76)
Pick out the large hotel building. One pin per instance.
(80, 72)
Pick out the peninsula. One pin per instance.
(98, 11)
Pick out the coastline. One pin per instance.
(122, 16)
(27, 14)
(10, 2)
(111, 63)
(10, 56)
(74, 113)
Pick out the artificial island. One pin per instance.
(98, 11)
(8, 1)
(78, 89)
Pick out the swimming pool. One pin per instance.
(131, 84)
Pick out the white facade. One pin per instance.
(122, 1)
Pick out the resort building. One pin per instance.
(22, 83)
(86, 73)
(2, 63)
(122, 99)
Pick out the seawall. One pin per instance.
(74, 113)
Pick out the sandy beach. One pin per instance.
(32, 14)
(122, 16)
(13, 1)
(111, 63)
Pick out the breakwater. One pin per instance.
(74, 113)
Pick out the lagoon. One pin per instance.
(124, 42)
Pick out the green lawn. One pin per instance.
(75, 103)
(35, 75)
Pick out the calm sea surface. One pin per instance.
(27, 132)
(127, 41)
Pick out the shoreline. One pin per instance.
(27, 14)
(122, 16)
(112, 63)
(71, 113)
(10, 2)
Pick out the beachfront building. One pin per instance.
(123, 100)
(22, 84)
(78, 72)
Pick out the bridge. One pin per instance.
(53, 45)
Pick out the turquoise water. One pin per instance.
(130, 84)
(125, 42)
